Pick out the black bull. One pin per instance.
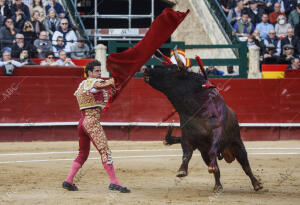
(206, 122)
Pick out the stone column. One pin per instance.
(101, 51)
(254, 62)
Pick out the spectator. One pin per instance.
(49, 60)
(294, 16)
(68, 34)
(7, 33)
(19, 19)
(227, 5)
(264, 27)
(244, 27)
(24, 58)
(52, 22)
(63, 60)
(19, 45)
(270, 56)
(254, 12)
(28, 32)
(282, 26)
(291, 39)
(37, 5)
(273, 17)
(295, 64)
(6, 58)
(288, 54)
(235, 13)
(60, 45)
(289, 5)
(231, 71)
(258, 41)
(80, 50)
(5, 11)
(43, 44)
(38, 26)
(211, 70)
(19, 5)
(251, 41)
(273, 39)
(57, 7)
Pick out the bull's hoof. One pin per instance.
(257, 186)
(181, 174)
(218, 188)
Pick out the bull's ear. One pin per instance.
(180, 64)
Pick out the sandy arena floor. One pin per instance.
(32, 173)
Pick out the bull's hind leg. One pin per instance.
(187, 155)
(218, 185)
(241, 156)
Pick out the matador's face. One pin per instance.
(96, 72)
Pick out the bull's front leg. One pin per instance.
(213, 153)
(187, 155)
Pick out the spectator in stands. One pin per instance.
(60, 45)
(5, 11)
(231, 71)
(7, 33)
(27, 2)
(43, 44)
(254, 12)
(6, 58)
(235, 13)
(295, 64)
(19, 19)
(264, 27)
(288, 54)
(273, 39)
(38, 26)
(227, 5)
(49, 60)
(294, 16)
(270, 56)
(57, 7)
(37, 5)
(211, 70)
(19, 5)
(20, 45)
(289, 5)
(243, 27)
(291, 39)
(273, 17)
(80, 50)
(282, 27)
(28, 32)
(24, 58)
(52, 22)
(63, 59)
(69, 35)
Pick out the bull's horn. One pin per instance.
(180, 64)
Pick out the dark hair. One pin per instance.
(90, 66)
(40, 4)
(49, 53)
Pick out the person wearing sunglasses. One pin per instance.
(7, 33)
(49, 60)
(69, 35)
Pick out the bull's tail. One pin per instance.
(169, 139)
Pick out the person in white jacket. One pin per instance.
(69, 35)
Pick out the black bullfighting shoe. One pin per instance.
(69, 186)
(122, 189)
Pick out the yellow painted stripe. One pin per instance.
(272, 74)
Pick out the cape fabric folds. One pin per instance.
(124, 65)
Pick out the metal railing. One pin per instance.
(240, 47)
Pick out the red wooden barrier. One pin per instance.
(49, 98)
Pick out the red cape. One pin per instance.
(124, 65)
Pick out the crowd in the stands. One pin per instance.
(38, 29)
(272, 25)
